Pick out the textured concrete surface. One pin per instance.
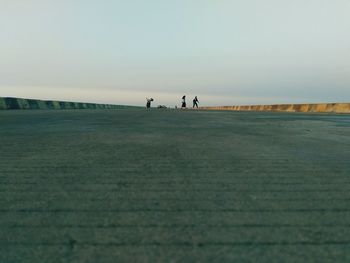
(321, 107)
(32, 104)
(174, 186)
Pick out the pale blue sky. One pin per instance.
(226, 52)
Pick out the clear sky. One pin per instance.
(226, 52)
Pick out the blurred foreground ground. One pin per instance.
(165, 185)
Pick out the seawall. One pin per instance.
(9, 103)
(321, 107)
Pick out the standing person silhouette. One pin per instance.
(195, 102)
(183, 101)
(148, 104)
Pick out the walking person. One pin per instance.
(195, 102)
(148, 104)
(183, 102)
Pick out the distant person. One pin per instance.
(149, 101)
(183, 101)
(195, 102)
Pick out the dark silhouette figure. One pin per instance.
(195, 102)
(148, 104)
(183, 101)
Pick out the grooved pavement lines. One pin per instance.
(137, 185)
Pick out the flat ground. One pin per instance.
(138, 185)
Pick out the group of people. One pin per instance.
(195, 102)
(183, 105)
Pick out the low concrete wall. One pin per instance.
(323, 107)
(31, 104)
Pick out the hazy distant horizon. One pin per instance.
(227, 52)
(170, 100)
